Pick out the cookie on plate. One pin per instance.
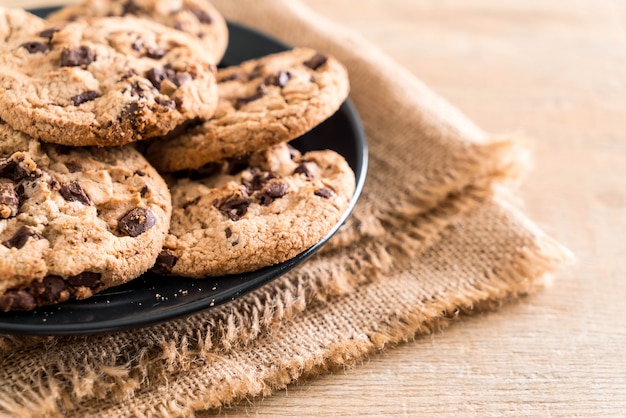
(262, 102)
(100, 81)
(74, 221)
(195, 17)
(254, 212)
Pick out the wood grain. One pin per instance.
(555, 71)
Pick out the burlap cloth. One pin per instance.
(433, 236)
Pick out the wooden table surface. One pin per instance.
(555, 71)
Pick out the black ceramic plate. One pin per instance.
(151, 299)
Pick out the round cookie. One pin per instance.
(101, 81)
(195, 17)
(262, 102)
(254, 212)
(74, 221)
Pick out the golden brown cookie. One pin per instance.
(101, 81)
(254, 212)
(195, 17)
(74, 221)
(262, 102)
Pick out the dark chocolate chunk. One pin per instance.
(17, 300)
(234, 207)
(51, 288)
(165, 262)
(236, 76)
(132, 112)
(155, 53)
(137, 221)
(158, 75)
(242, 101)
(144, 191)
(73, 192)
(228, 232)
(19, 239)
(84, 97)
(201, 14)
(324, 192)
(279, 79)
(140, 173)
(79, 57)
(36, 47)
(85, 279)
(316, 61)
(257, 182)
(73, 167)
(48, 33)
(191, 202)
(131, 8)
(166, 103)
(9, 201)
(272, 191)
(303, 169)
(10, 169)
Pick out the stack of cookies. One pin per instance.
(123, 148)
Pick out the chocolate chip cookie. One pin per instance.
(74, 221)
(261, 102)
(250, 213)
(100, 81)
(195, 17)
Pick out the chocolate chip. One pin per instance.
(191, 202)
(51, 288)
(131, 8)
(84, 97)
(273, 191)
(19, 239)
(201, 14)
(144, 191)
(48, 33)
(228, 232)
(236, 76)
(324, 192)
(316, 61)
(137, 221)
(303, 169)
(279, 79)
(17, 300)
(85, 279)
(140, 173)
(10, 169)
(73, 192)
(166, 103)
(9, 201)
(36, 47)
(79, 57)
(158, 75)
(257, 182)
(155, 54)
(165, 261)
(293, 153)
(73, 167)
(234, 207)
(242, 101)
(132, 112)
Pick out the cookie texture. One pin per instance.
(74, 221)
(250, 213)
(262, 102)
(195, 17)
(100, 81)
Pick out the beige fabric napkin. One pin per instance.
(433, 236)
